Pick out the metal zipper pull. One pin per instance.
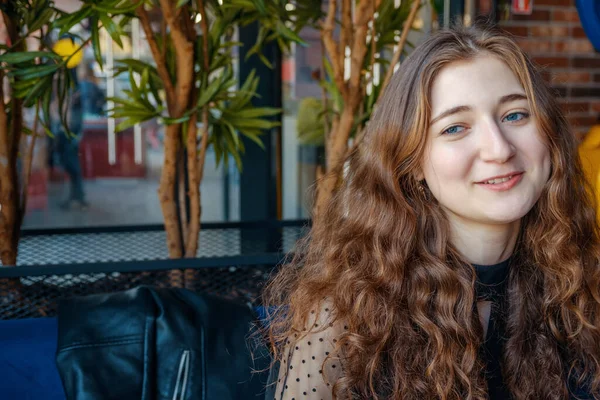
(182, 375)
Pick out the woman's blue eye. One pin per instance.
(453, 130)
(516, 116)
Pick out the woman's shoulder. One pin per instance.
(311, 362)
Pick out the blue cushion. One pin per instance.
(589, 14)
(27, 360)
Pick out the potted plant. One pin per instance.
(372, 38)
(190, 88)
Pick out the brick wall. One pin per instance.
(552, 35)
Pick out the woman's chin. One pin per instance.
(502, 217)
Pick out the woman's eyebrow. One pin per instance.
(450, 111)
(512, 97)
(458, 109)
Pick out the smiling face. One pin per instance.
(485, 159)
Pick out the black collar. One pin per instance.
(491, 280)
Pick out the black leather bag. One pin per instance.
(148, 343)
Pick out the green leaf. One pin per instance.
(265, 60)
(46, 100)
(128, 123)
(36, 91)
(113, 29)
(26, 56)
(42, 20)
(255, 49)
(254, 138)
(26, 130)
(181, 3)
(260, 6)
(47, 130)
(119, 9)
(145, 78)
(24, 85)
(34, 72)
(132, 84)
(175, 121)
(289, 34)
(96, 41)
(69, 20)
(209, 93)
(257, 112)
(230, 141)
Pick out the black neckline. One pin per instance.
(491, 280)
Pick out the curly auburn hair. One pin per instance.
(380, 255)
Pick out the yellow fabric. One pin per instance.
(589, 153)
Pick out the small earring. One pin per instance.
(422, 187)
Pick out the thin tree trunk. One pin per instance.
(166, 192)
(191, 243)
(182, 194)
(337, 148)
(8, 250)
(9, 190)
(178, 97)
(352, 91)
(195, 157)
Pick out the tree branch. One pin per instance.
(158, 56)
(27, 162)
(336, 54)
(324, 99)
(184, 52)
(196, 161)
(28, 159)
(405, 30)
(364, 13)
(163, 34)
(205, 109)
(3, 124)
(346, 33)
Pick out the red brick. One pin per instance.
(574, 46)
(586, 62)
(554, 3)
(556, 62)
(578, 32)
(560, 91)
(585, 92)
(535, 46)
(571, 77)
(582, 121)
(536, 15)
(565, 15)
(570, 107)
(516, 30)
(549, 31)
(546, 75)
(596, 107)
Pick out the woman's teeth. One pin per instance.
(498, 180)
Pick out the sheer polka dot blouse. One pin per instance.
(309, 367)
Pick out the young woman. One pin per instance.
(460, 258)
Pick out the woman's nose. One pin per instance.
(495, 146)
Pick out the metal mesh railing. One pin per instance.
(233, 263)
(76, 248)
(38, 296)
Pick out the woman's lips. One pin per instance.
(503, 184)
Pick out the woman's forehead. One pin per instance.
(478, 82)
